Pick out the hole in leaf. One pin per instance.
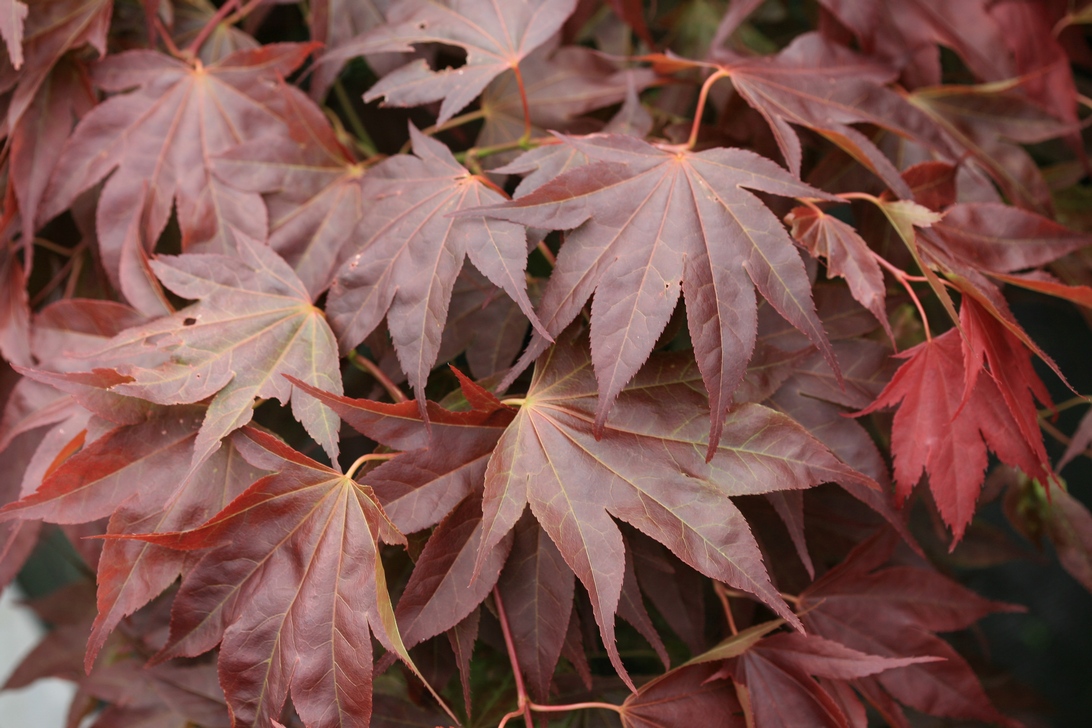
(189, 321)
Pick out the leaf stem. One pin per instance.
(1055, 432)
(862, 196)
(167, 39)
(703, 97)
(372, 456)
(365, 364)
(1068, 404)
(469, 156)
(53, 247)
(790, 598)
(244, 11)
(523, 101)
(903, 278)
(523, 704)
(574, 706)
(73, 277)
(722, 595)
(363, 138)
(202, 35)
(514, 401)
(545, 252)
(64, 271)
(451, 123)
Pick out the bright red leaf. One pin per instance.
(943, 433)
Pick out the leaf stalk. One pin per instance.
(368, 366)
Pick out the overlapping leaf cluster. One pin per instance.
(680, 256)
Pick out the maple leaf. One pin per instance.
(894, 612)
(652, 224)
(777, 674)
(190, 19)
(907, 34)
(131, 573)
(537, 589)
(1041, 61)
(669, 585)
(172, 696)
(440, 592)
(495, 35)
(990, 122)
(688, 695)
(36, 141)
(336, 23)
(312, 188)
(997, 238)
(253, 322)
(1059, 516)
(559, 85)
(943, 432)
(484, 323)
(12, 16)
(826, 87)
(17, 539)
(161, 140)
(411, 233)
(14, 308)
(54, 28)
(440, 464)
(125, 463)
(847, 255)
(647, 468)
(132, 473)
(986, 340)
(316, 532)
(633, 13)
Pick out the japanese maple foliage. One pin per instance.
(575, 362)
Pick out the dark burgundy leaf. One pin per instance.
(161, 139)
(550, 457)
(644, 219)
(442, 462)
(688, 695)
(316, 532)
(252, 309)
(496, 37)
(537, 588)
(441, 591)
(893, 612)
(410, 230)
